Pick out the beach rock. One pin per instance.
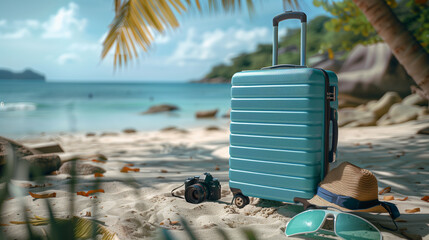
(383, 105)
(400, 113)
(206, 114)
(212, 128)
(129, 130)
(424, 131)
(349, 115)
(109, 134)
(18, 151)
(227, 114)
(161, 108)
(90, 134)
(51, 147)
(44, 163)
(173, 129)
(356, 118)
(81, 168)
(346, 101)
(372, 70)
(415, 99)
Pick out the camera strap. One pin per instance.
(172, 192)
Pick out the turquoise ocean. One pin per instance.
(29, 108)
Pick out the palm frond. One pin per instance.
(83, 228)
(136, 22)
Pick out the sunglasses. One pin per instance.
(346, 225)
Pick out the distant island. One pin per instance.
(27, 74)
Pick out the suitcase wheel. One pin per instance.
(240, 200)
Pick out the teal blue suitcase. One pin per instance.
(284, 129)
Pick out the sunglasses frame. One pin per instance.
(333, 214)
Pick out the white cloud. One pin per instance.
(159, 38)
(20, 33)
(218, 44)
(22, 28)
(31, 23)
(67, 58)
(64, 23)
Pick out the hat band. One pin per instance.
(345, 201)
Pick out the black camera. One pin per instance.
(199, 189)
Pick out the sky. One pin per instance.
(62, 39)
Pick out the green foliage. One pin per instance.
(349, 18)
(289, 44)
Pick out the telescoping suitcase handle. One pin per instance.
(284, 16)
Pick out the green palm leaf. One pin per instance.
(136, 22)
(82, 227)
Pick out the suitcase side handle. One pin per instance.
(333, 152)
(284, 16)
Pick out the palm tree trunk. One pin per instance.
(403, 44)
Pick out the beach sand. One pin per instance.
(395, 154)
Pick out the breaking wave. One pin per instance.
(19, 106)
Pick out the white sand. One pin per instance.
(395, 154)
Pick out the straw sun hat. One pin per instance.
(348, 180)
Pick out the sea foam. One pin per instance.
(18, 106)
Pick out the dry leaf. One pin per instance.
(54, 173)
(403, 199)
(425, 198)
(217, 168)
(88, 214)
(127, 169)
(164, 171)
(414, 210)
(388, 198)
(3, 225)
(174, 222)
(162, 223)
(47, 195)
(86, 194)
(385, 190)
(98, 161)
(98, 175)
(129, 165)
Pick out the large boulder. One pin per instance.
(400, 113)
(383, 105)
(372, 70)
(356, 118)
(415, 99)
(161, 108)
(323, 61)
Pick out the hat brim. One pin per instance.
(318, 201)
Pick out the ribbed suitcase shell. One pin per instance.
(277, 132)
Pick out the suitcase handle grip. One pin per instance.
(284, 16)
(333, 152)
(289, 15)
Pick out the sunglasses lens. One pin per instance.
(305, 222)
(351, 227)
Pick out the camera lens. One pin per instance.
(195, 193)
